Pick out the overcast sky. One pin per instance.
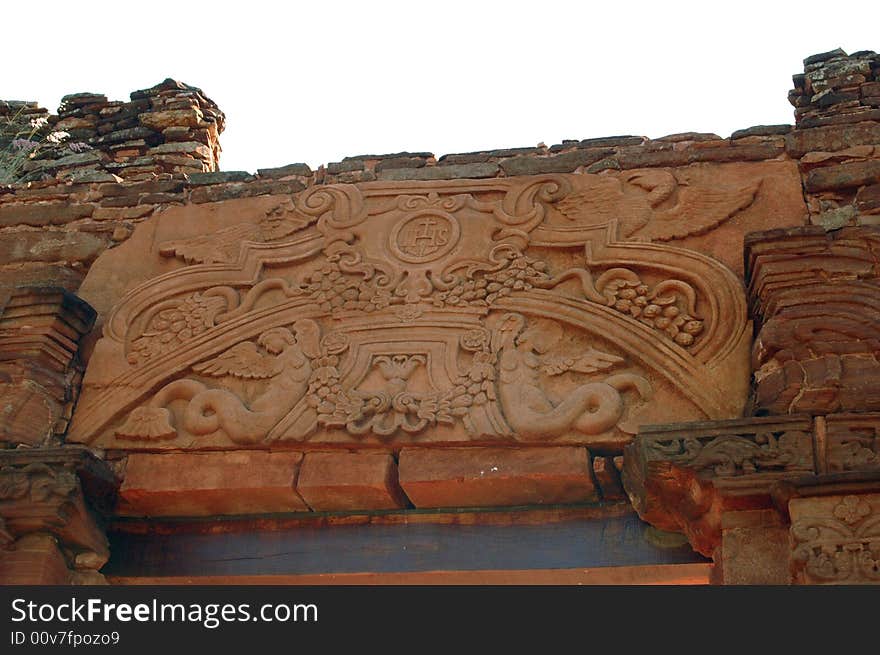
(316, 81)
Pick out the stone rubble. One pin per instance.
(837, 137)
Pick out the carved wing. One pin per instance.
(282, 221)
(221, 247)
(697, 212)
(599, 204)
(243, 360)
(591, 361)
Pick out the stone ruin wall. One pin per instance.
(804, 244)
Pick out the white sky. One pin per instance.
(316, 81)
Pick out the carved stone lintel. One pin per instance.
(44, 516)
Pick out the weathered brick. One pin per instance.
(39, 214)
(218, 192)
(50, 246)
(285, 171)
(563, 163)
(400, 162)
(219, 177)
(842, 176)
(458, 171)
(762, 130)
(831, 138)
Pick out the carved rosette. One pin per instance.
(486, 311)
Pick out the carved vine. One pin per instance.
(734, 455)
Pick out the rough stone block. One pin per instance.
(39, 214)
(284, 171)
(754, 548)
(46, 246)
(451, 172)
(205, 484)
(485, 477)
(831, 138)
(350, 481)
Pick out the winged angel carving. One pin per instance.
(589, 408)
(288, 365)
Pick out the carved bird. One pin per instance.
(636, 200)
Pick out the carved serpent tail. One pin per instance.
(217, 408)
(178, 390)
(624, 381)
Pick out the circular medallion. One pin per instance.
(424, 237)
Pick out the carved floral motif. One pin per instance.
(843, 547)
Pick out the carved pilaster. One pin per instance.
(40, 372)
(49, 531)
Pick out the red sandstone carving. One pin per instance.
(449, 312)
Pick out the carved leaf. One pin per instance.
(147, 424)
(592, 361)
(243, 360)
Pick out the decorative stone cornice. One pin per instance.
(682, 477)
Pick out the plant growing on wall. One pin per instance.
(24, 139)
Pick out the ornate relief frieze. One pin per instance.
(508, 310)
